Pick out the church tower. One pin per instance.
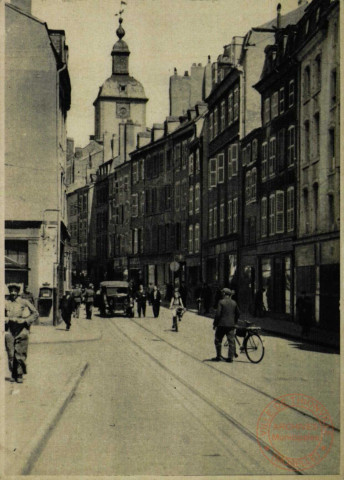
(120, 107)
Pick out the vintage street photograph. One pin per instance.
(171, 238)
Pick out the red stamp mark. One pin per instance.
(297, 440)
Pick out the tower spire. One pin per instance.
(120, 51)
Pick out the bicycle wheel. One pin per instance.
(254, 348)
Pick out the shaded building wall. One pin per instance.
(30, 129)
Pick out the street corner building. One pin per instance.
(37, 99)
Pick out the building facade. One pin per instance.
(37, 99)
(317, 246)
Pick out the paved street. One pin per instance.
(151, 402)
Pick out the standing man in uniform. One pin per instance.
(76, 292)
(17, 325)
(225, 321)
(89, 299)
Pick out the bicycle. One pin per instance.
(252, 344)
(179, 313)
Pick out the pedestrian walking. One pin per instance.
(89, 300)
(304, 313)
(226, 318)
(141, 299)
(76, 292)
(155, 300)
(67, 307)
(17, 324)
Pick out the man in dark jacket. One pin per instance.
(141, 299)
(67, 306)
(155, 299)
(225, 321)
(76, 292)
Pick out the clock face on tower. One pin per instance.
(123, 110)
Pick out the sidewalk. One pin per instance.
(54, 372)
(289, 329)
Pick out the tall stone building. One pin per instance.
(317, 248)
(37, 99)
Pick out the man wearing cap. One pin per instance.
(89, 299)
(17, 325)
(225, 321)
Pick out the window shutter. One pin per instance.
(279, 212)
(212, 173)
(281, 149)
(229, 163)
(234, 159)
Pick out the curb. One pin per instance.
(33, 450)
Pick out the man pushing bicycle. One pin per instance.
(226, 318)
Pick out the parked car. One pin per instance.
(114, 297)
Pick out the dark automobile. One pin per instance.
(114, 297)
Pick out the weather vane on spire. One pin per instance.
(121, 8)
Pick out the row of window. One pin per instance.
(278, 213)
(219, 223)
(278, 103)
(274, 149)
(216, 166)
(225, 114)
(194, 238)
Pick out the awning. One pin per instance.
(11, 264)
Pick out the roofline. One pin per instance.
(26, 14)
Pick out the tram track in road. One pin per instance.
(251, 435)
(241, 382)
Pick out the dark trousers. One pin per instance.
(220, 332)
(16, 348)
(141, 308)
(89, 306)
(67, 318)
(156, 309)
(77, 310)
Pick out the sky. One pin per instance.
(161, 35)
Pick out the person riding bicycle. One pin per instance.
(176, 303)
(226, 318)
